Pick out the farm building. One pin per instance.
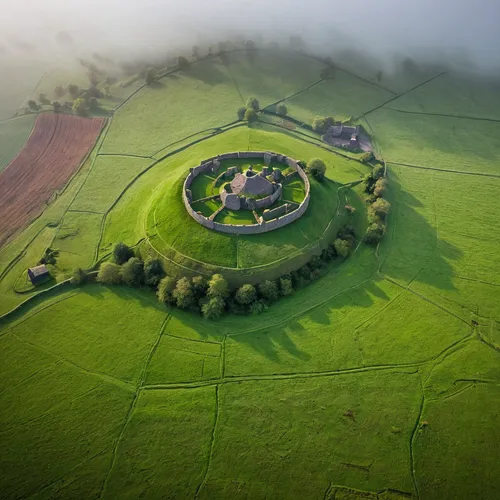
(38, 274)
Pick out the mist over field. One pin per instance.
(447, 31)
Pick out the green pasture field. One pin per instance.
(13, 135)
(343, 97)
(378, 381)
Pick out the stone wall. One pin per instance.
(264, 226)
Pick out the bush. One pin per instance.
(213, 308)
(286, 286)
(246, 295)
(56, 106)
(218, 287)
(183, 293)
(329, 253)
(317, 168)
(153, 272)
(281, 109)
(122, 253)
(253, 103)
(250, 115)
(316, 262)
(347, 233)
(109, 274)
(258, 307)
(133, 272)
(80, 107)
(374, 233)
(183, 62)
(269, 290)
(241, 113)
(165, 289)
(342, 247)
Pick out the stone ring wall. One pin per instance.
(264, 226)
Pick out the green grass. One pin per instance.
(240, 217)
(152, 119)
(446, 143)
(343, 97)
(108, 178)
(13, 135)
(379, 379)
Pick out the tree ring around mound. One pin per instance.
(258, 194)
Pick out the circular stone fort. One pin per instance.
(246, 192)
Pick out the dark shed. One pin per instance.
(38, 274)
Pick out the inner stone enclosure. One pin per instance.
(246, 192)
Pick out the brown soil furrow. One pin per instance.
(51, 156)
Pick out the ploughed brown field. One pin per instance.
(52, 154)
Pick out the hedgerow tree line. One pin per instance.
(375, 185)
(213, 297)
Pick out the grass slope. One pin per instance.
(13, 135)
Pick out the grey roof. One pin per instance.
(335, 130)
(39, 270)
(254, 185)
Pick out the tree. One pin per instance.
(281, 109)
(200, 287)
(380, 208)
(33, 105)
(342, 247)
(56, 106)
(80, 107)
(269, 290)
(183, 293)
(246, 295)
(213, 308)
(59, 91)
(93, 91)
(286, 287)
(151, 76)
(183, 62)
(317, 168)
(318, 124)
(93, 103)
(218, 287)
(109, 274)
(241, 112)
(122, 253)
(73, 90)
(79, 276)
(165, 290)
(380, 187)
(253, 103)
(153, 272)
(250, 115)
(43, 98)
(374, 233)
(133, 272)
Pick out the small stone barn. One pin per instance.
(38, 274)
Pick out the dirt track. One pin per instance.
(52, 154)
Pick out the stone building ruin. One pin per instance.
(249, 190)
